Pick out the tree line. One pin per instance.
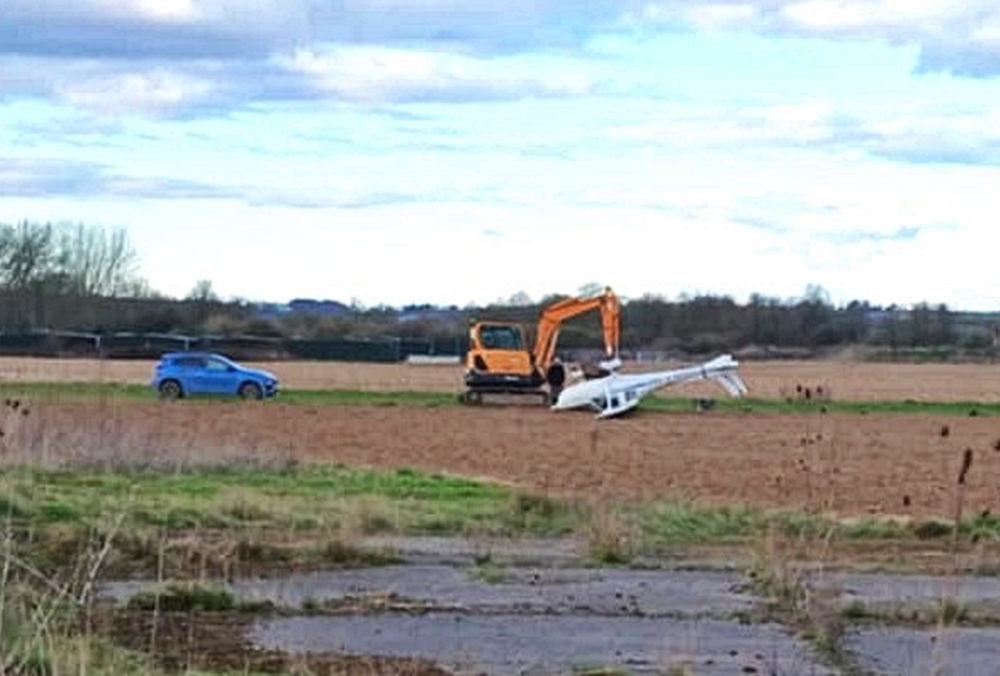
(76, 277)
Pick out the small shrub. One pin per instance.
(257, 552)
(612, 539)
(246, 512)
(11, 507)
(929, 530)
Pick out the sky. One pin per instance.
(463, 151)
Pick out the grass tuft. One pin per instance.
(184, 598)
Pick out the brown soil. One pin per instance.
(843, 464)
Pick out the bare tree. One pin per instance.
(25, 254)
(203, 292)
(94, 262)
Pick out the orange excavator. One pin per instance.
(499, 362)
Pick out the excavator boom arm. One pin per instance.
(553, 317)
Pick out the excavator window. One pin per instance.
(501, 338)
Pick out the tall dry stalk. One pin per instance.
(950, 607)
(39, 614)
(960, 498)
(43, 614)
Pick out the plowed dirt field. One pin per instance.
(849, 464)
(842, 464)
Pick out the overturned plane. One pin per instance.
(617, 393)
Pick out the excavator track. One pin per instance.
(477, 397)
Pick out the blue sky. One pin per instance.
(457, 151)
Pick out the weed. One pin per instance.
(339, 553)
(793, 598)
(605, 671)
(932, 529)
(855, 611)
(13, 508)
(533, 513)
(612, 538)
(677, 670)
(261, 553)
(490, 574)
(246, 511)
(952, 612)
(184, 598)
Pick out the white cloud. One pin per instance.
(926, 17)
(723, 15)
(125, 30)
(375, 74)
(963, 37)
(137, 92)
(170, 11)
(726, 126)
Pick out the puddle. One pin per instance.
(528, 645)
(891, 651)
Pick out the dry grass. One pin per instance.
(108, 435)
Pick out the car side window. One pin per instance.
(214, 365)
(190, 362)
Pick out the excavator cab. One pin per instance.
(498, 359)
(501, 337)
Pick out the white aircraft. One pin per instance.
(617, 393)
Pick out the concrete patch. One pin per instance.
(894, 651)
(517, 645)
(519, 590)
(907, 589)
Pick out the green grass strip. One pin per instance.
(108, 392)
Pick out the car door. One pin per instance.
(188, 371)
(218, 377)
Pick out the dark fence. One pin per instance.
(153, 345)
(378, 350)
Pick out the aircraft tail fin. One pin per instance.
(731, 382)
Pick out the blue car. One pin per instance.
(180, 374)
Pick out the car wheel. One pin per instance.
(251, 391)
(170, 389)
